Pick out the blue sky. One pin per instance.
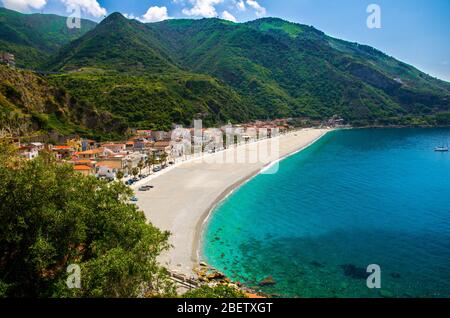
(414, 31)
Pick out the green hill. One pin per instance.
(152, 75)
(32, 38)
(28, 103)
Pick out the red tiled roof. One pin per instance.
(81, 168)
(62, 148)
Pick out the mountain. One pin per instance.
(32, 38)
(152, 75)
(278, 68)
(29, 103)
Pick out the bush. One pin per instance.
(53, 217)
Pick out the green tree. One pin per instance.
(220, 291)
(53, 217)
(120, 175)
(141, 165)
(163, 158)
(135, 171)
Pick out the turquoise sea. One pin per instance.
(354, 198)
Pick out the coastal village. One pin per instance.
(146, 150)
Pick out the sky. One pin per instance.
(414, 31)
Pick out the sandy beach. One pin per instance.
(185, 194)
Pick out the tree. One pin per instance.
(135, 171)
(53, 217)
(163, 158)
(220, 291)
(141, 165)
(120, 175)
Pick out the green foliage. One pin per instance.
(153, 75)
(31, 99)
(269, 68)
(53, 217)
(220, 291)
(34, 37)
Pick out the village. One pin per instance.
(147, 151)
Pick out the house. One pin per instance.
(161, 147)
(161, 135)
(134, 159)
(7, 59)
(105, 171)
(144, 133)
(129, 146)
(84, 170)
(88, 144)
(38, 145)
(63, 152)
(117, 162)
(116, 148)
(28, 152)
(93, 154)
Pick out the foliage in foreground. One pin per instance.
(220, 291)
(52, 217)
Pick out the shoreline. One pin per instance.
(203, 222)
(185, 196)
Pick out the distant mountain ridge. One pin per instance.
(32, 38)
(151, 75)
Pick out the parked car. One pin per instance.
(134, 199)
(157, 169)
(145, 188)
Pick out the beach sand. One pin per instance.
(184, 195)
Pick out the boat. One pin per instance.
(441, 149)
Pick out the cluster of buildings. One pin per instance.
(7, 59)
(90, 157)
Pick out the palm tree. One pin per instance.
(141, 165)
(163, 158)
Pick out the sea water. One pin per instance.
(354, 198)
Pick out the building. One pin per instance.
(161, 135)
(117, 162)
(105, 171)
(84, 170)
(88, 144)
(28, 152)
(116, 148)
(161, 147)
(144, 133)
(63, 152)
(7, 59)
(93, 154)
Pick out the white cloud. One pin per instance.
(155, 14)
(203, 8)
(240, 5)
(260, 11)
(24, 5)
(91, 7)
(228, 16)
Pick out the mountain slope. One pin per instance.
(29, 103)
(151, 75)
(292, 69)
(33, 38)
(115, 44)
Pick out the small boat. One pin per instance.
(441, 149)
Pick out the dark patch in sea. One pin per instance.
(354, 272)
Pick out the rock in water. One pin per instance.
(352, 271)
(269, 281)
